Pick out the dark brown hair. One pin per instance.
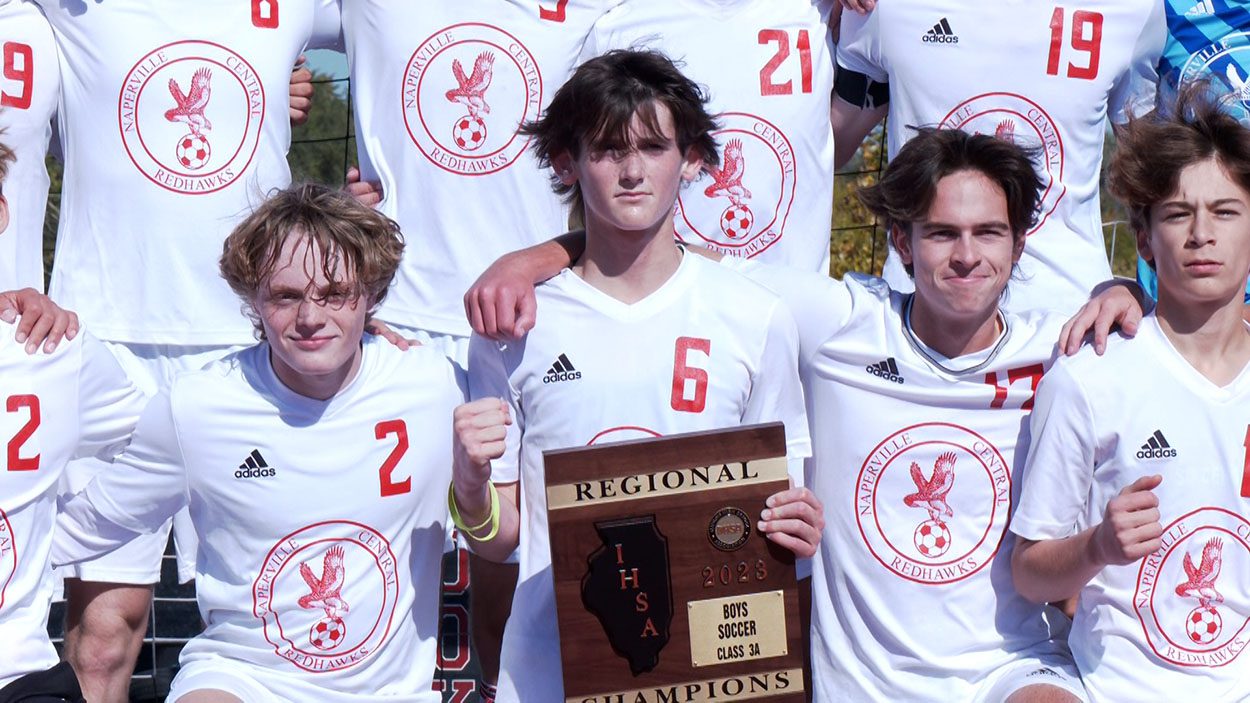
(906, 190)
(368, 243)
(1153, 149)
(599, 101)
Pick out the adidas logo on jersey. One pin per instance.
(887, 369)
(1202, 9)
(562, 370)
(255, 467)
(941, 34)
(1156, 447)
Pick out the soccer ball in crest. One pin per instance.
(1203, 625)
(194, 151)
(469, 133)
(933, 539)
(328, 633)
(736, 221)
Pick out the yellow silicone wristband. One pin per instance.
(491, 520)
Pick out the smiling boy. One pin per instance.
(305, 461)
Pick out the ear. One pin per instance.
(4, 214)
(901, 239)
(691, 165)
(1017, 248)
(1143, 245)
(565, 167)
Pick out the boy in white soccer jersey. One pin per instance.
(638, 338)
(768, 68)
(174, 121)
(1036, 73)
(456, 176)
(29, 87)
(311, 464)
(73, 402)
(1137, 494)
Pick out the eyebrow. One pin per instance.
(1212, 203)
(995, 224)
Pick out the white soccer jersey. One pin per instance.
(440, 89)
(30, 82)
(174, 120)
(913, 598)
(768, 67)
(1172, 626)
(1039, 74)
(321, 523)
(74, 402)
(597, 370)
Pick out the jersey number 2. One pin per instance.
(782, 39)
(19, 65)
(387, 483)
(556, 15)
(29, 404)
(265, 14)
(1086, 39)
(683, 372)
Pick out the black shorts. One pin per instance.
(56, 685)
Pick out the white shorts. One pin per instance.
(252, 683)
(218, 676)
(1051, 669)
(151, 367)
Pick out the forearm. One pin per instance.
(1055, 569)
(546, 259)
(474, 506)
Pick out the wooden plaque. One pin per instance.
(665, 589)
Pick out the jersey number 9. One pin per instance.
(265, 14)
(19, 65)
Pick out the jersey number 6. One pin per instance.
(18, 403)
(683, 372)
(387, 484)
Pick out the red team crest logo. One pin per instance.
(327, 594)
(466, 121)
(8, 555)
(1019, 120)
(1191, 617)
(624, 433)
(962, 522)
(743, 209)
(190, 115)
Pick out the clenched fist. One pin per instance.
(480, 428)
(1130, 527)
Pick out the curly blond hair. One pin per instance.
(366, 242)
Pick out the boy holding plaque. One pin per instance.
(638, 338)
